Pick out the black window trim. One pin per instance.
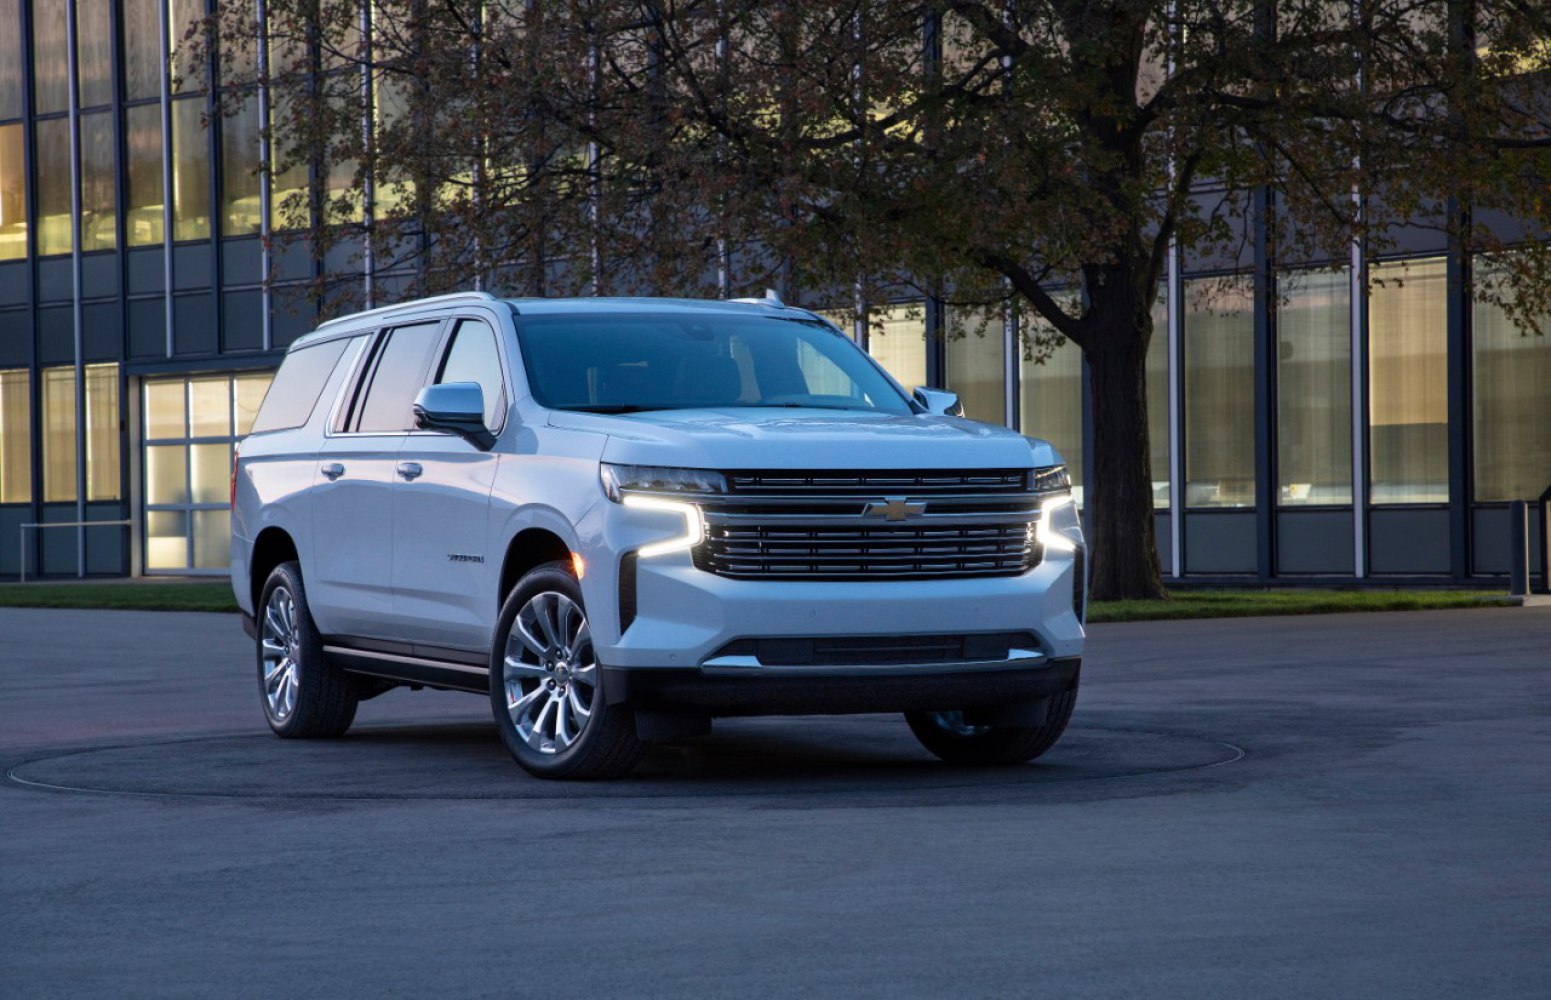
(348, 421)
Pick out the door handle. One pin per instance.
(410, 470)
(333, 471)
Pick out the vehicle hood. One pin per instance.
(759, 438)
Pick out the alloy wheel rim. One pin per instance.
(549, 672)
(281, 654)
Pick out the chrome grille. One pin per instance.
(816, 526)
(879, 481)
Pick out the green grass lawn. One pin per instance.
(1242, 603)
(129, 595)
(216, 595)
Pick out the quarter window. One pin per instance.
(290, 401)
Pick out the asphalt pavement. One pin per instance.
(1334, 806)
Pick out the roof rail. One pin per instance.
(447, 299)
(772, 298)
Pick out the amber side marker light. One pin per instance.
(578, 564)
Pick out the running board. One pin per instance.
(433, 673)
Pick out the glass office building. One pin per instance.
(1301, 428)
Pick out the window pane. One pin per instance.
(13, 194)
(165, 413)
(50, 57)
(1219, 392)
(1512, 425)
(896, 336)
(54, 173)
(1314, 389)
(210, 407)
(297, 386)
(94, 52)
(212, 538)
(1158, 402)
(185, 69)
(210, 472)
(1408, 383)
(288, 183)
(473, 358)
(142, 48)
(393, 189)
(401, 373)
(239, 172)
(102, 433)
(143, 139)
(10, 60)
(98, 222)
(166, 539)
(190, 172)
(1050, 393)
(58, 434)
(15, 437)
(343, 201)
(976, 361)
(166, 474)
(250, 391)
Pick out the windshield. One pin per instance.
(613, 363)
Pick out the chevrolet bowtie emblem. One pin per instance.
(894, 509)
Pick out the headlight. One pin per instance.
(1060, 529)
(1051, 479)
(621, 479)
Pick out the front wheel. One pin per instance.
(546, 687)
(958, 739)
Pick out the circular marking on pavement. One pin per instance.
(866, 760)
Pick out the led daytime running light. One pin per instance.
(1051, 539)
(694, 525)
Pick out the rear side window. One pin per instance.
(402, 367)
(294, 393)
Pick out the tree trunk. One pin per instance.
(1122, 540)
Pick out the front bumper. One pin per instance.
(794, 691)
(684, 616)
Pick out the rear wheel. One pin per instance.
(546, 687)
(304, 695)
(958, 739)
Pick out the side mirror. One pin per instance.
(940, 402)
(456, 408)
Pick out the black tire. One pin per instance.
(606, 745)
(992, 745)
(324, 696)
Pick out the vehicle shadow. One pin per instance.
(847, 756)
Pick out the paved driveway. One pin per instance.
(1337, 806)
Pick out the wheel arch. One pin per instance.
(530, 547)
(273, 546)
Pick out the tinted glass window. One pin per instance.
(613, 363)
(473, 358)
(297, 385)
(400, 374)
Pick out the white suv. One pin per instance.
(621, 518)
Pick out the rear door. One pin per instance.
(444, 575)
(352, 506)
